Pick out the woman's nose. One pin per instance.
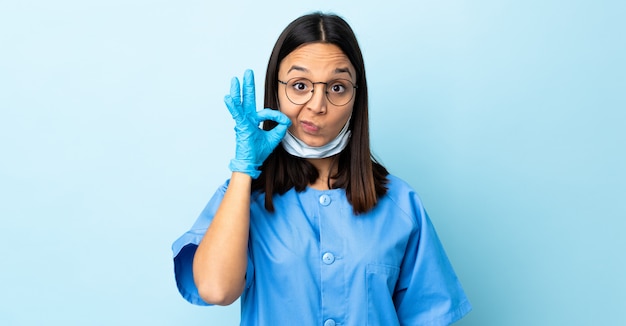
(318, 102)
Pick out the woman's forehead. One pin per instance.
(316, 58)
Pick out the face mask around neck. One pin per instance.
(297, 147)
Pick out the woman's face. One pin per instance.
(316, 121)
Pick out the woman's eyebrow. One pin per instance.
(343, 70)
(298, 68)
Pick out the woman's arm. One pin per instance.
(219, 265)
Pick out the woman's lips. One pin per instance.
(309, 127)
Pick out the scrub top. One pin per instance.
(314, 262)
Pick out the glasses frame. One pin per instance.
(354, 87)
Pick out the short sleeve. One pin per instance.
(428, 291)
(184, 249)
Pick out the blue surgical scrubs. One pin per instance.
(313, 262)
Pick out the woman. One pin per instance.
(310, 229)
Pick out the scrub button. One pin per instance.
(328, 258)
(329, 322)
(325, 200)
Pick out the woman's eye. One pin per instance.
(299, 86)
(337, 88)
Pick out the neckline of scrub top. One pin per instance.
(309, 189)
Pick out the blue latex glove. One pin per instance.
(254, 144)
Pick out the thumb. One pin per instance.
(275, 135)
(278, 133)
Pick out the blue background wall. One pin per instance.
(507, 117)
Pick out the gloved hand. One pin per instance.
(254, 144)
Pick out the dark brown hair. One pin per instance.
(359, 174)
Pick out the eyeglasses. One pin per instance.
(300, 90)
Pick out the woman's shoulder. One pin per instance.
(398, 186)
(403, 195)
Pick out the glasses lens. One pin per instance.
(339, 92)
(299, 91)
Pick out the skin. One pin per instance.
(220, 262)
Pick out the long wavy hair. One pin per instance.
(362, 177)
